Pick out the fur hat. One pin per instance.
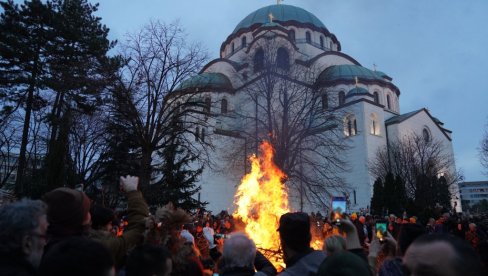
(66, 207)
(101, 216)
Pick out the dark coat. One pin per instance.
(14, 267)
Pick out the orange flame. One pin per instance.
(261, 199)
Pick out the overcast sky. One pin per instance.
(436, 51)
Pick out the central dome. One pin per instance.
(281, 14)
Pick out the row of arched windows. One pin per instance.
(342, 100)
(208, 105)
(308, 38)
(282, 59)
(200, 134)
(351, 128)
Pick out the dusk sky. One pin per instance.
(436, 51)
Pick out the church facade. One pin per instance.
(367, 101)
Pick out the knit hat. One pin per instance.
(295, 230)
(101, 216)
(67, 207)
(344, 263)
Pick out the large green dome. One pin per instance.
(348, 72)
(213, 81)
(281, 13)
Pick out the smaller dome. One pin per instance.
(214, 81)
(348, 72)
(356, 91)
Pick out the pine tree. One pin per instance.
(377, 201)
(177, 184)
(24, 35)
(80, 70)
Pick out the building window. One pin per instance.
(259, 60)
(232, 47)
(197, 133)
(321, 42)
(426, 135)
(325, 102)
(331, 45)
(376, 97)
(308, 37)
(291, 35)
(223, 106)
(208, 105)
(342, 98)
(388, 101)
(243, 42)
(203, 135)
(375, 126)
(350, 125)
(282, 59)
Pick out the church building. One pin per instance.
(366, 100)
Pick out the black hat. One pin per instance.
(295, 230)
(101, 216)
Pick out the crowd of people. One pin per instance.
(66, 234)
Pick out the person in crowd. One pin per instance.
(238, 256)
(68, 215)
(102, 218)
(77, 256)
(472, 235)
(391, 265)
(441, 254)
(23, 227)
(430, 227)
(209, 233)
(344, 263)
(334, 244)
(295, 237)
(201, 242)
(149, 260)
(362, 230)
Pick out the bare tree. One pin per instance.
(287, 108)
(10, 133)
(87, 142)
(484, 150)
(158, 58)
(414, 156)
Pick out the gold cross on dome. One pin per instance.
(271, 17)
(278, 2)
(374, 67)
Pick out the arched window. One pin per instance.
(243, 42)
(197, 133)
(291, 35)
(259, 60)
(350, 125)
(208, 105)
(308, 37)
(388, 101)
(426, 135)
(342, 98)
(375, 126)
(203, 135)
(223, 106)
(282, 59)
(232, 47)
(331, 45)
(376, 97)
(325, 102)
(321, 42)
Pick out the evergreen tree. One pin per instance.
(24, 35)
(377, 201)
(177, 184)
(81, 70)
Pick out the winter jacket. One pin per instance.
(133, 233)
(306, 265)
(10, 266)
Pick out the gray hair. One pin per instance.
(239, 251)
(17, 220)
(334, 244)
